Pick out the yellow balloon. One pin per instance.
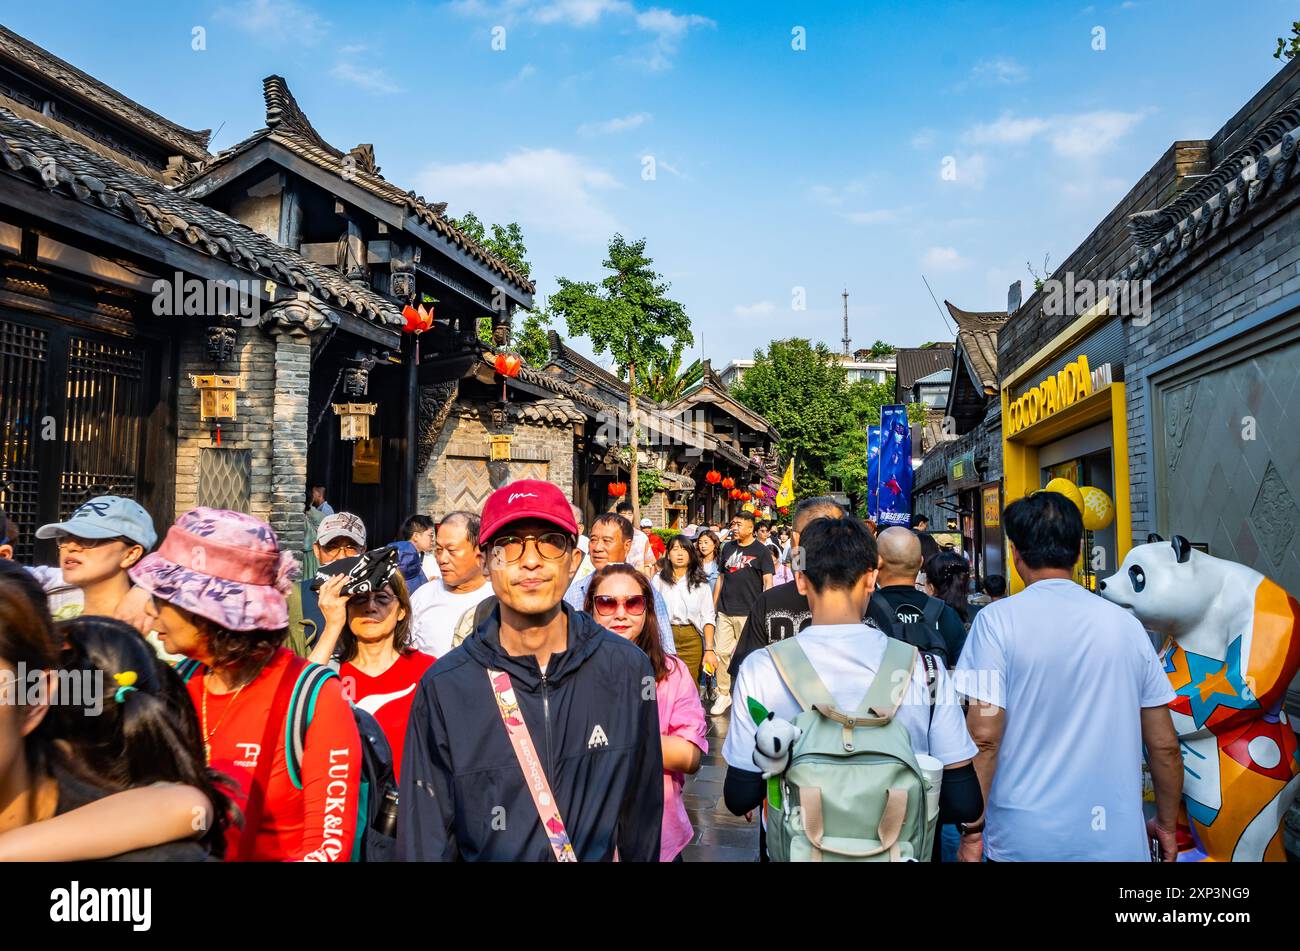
(1098, 510)
(1068, 489)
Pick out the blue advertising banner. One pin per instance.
(873, 470)
(894, 482)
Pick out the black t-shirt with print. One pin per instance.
(908, 603)
(742, 576)
(780, 612)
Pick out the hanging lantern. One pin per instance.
(728, 483)
(217, 400)
(713, 477)
(411, 316)
(426, 318)
(784, 510)
(617, 489)
(735, 493)
(507, 364)
(354, 419)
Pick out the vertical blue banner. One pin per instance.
(894, 484)
(873, 471)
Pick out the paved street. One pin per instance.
(719, 836)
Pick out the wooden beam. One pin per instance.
(224, 174)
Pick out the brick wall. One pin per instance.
(455, 479)
(271, 425)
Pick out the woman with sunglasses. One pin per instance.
(618, 598)
(689, 596)
(367, 637)
(219, 582)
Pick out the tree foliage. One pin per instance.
(629, 316)
(802, 389)
(1288, 48)
(505, 241)
(666, 380)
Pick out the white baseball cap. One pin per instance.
(341, 525)
(647, 523)
(106, 516)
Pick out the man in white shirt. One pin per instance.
(611, 540)
(640, 554)
(1065, 692)
(438, 605)
(846, 653)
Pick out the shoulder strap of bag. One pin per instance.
(933, 611)
(931, 679)
(889, 686)
(548, 810)
(187, 668)
(797, 673)
(257, 794)
(302, 707)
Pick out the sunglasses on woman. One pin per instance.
(607, 605)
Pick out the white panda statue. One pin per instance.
(1231, 649)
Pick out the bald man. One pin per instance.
(901, 611)
(781, 611)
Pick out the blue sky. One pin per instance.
(774, 168)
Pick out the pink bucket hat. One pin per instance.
(224, 566)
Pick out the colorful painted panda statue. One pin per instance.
(1231, 649)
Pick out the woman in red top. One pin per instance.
(369, 636)
(218, 584)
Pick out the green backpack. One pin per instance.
(853, 791)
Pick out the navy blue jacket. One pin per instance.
(594, 719)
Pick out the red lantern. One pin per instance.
(713, 477)
(729, 483)
(507, 364)
(745, 496)
(617, 489)
(426, 318)
(411, 316)
(735, 493)
(784, 510)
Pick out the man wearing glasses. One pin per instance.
(538, 740)
(102, 539)
(341, 535)
(611, 544)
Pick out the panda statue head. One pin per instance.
(1164, 584)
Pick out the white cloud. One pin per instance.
(577, 12)
(373, 79)
(942, 259)
(1083, 135)
(1001, 72)
(526, 71)
(276, 22)
(619, 124)
(879, 216)
(923, 139)
(547, 191)
(1007, 130)
(760, 309)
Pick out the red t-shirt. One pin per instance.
(388, 697)
(316, 823)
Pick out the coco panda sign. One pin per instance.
(1072, 383)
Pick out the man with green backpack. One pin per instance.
(835, 732)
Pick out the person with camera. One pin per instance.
(368, 636)
(218, 583)
(538, 739)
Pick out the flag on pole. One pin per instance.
(785, 492)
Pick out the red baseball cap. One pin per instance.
(527, 498)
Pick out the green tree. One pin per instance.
(666, 380)
(530, 340)
(629, 316)
(881, 349)
(1288, 48)
(801, 389)
(505, 241)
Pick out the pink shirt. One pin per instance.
(680, 714)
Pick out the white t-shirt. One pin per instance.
(429, 565)
(637, 556)
(846, 658)
(1072, 672)
(435, 611)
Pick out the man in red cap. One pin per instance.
(538, 738)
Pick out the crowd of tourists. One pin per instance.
(512, 684)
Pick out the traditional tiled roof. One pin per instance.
(977, 337)
(915, 362)
(187, 142)
(47, 160)
(288, 126)
(1238, 185)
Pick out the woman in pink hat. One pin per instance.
(218, 583)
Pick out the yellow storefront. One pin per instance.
(1064, 416)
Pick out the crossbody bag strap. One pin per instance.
(548, 810)
(894, 673)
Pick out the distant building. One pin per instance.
(861, 366)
